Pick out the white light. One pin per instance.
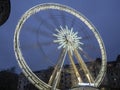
(68, 39)
(86, 84)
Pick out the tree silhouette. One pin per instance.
(8, 79)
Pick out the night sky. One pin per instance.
(104, 14)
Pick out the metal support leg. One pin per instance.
(57, 71)
(75, 68)
(84, 67)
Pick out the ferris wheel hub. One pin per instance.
(67, 39)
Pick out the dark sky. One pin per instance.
(104, 14)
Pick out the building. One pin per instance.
(24, 84)
(112, 78)
(110, 82)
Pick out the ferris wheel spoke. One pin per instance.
(45, 34)
(86, 37)
(46, 56)
(73, 22)
(54, 79)
(54, 19)
(84, 67)
(31, 29)
(63, 18)
(35, 45)
(75, 68)
(46, 24)
(29, 46)
(91, 47)
(37, 31)
(46, 43)
(85, 54)
(83, 30)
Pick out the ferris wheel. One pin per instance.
(55, 35)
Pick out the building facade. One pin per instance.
(68, 79)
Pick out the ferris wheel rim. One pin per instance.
(26, 70)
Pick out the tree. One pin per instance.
(8, 80)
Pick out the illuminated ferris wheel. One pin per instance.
(55, 35)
